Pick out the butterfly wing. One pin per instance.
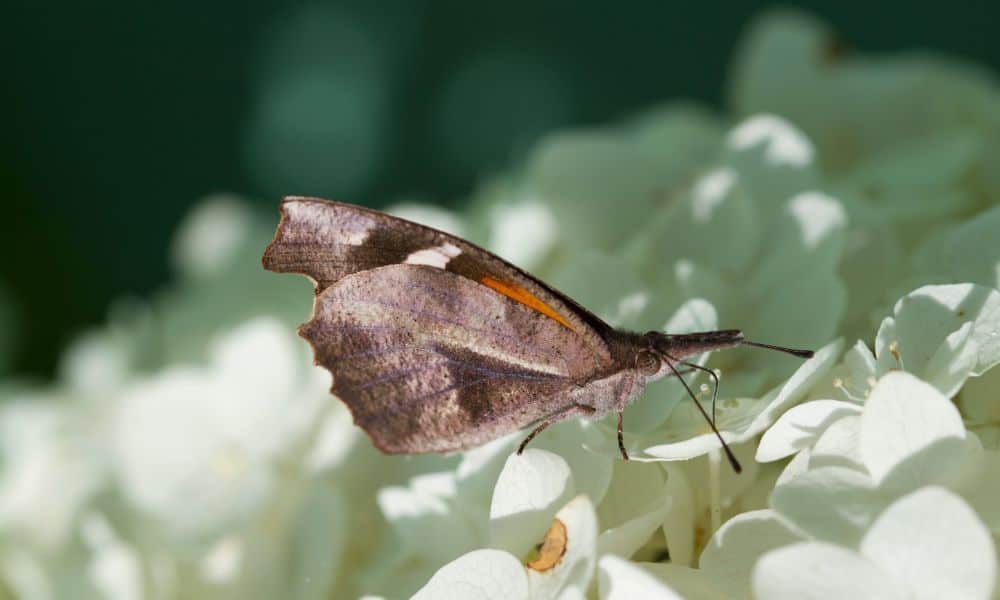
(330, 240)
(431, 361)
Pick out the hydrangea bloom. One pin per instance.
(197, 453)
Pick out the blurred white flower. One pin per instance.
(214, 435)
(43, 451)
(431, 216)
(210, 234)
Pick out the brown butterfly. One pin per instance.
(438, 345)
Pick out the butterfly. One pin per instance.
(437, 345)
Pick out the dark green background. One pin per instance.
(118, 116)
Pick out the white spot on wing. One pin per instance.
(436, 257)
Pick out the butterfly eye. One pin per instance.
(648, 363)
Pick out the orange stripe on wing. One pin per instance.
(518, 293)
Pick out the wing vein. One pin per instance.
(512, 340)
(469, 366)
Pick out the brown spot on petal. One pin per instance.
(894, 350)
(553, 548)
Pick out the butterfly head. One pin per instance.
(678, 347)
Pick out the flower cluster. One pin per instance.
(189, 448)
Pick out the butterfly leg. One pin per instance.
(626, 391)
(570, 411)
(621, 439)
(621, 409)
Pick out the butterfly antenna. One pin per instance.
(735, 464)
(792, 351)
(712, 374)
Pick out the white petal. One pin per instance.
(831, 503)
(750, 417)
(839, 446)
(210, 234)
(773, 158)
(334, 439)
(800, 427)
(575, 173)
(621, 579)
(731, 554)
(933, 543)
(115, 567)
(803, 297)
(904, 418)
(620, 299)
(318, 541)
(623, 540)
(591, 472)
(953, 362)
(696, 314)
(576, 568)
(418, 515)
(984, 493)
(429, 215)
(716, 205)
(929, 336)
(850, 380)
(47, 476)
(978, 401)
(634, 487)
(486, 574)
(479, 469)
(985, 302)
(819, 571)
(522, 232)
(529, 491)
(679, 523)
(172, 422)
(965, 252)
(26, 577)
(860, 360)
(793, 390)
(795, 467)
(783, 143)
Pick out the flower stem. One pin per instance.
(714, 490)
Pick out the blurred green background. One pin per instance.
(117, 117)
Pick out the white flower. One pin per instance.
(944, 334)
(964, 251)
(43, 452)
(928, 544)
(213, 435)
(624, 580)
(208, 238)
(486, 574)
(522, 516)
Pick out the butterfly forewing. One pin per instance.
(430, 361)
(328, 241)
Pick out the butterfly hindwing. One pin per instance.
(430, 361)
